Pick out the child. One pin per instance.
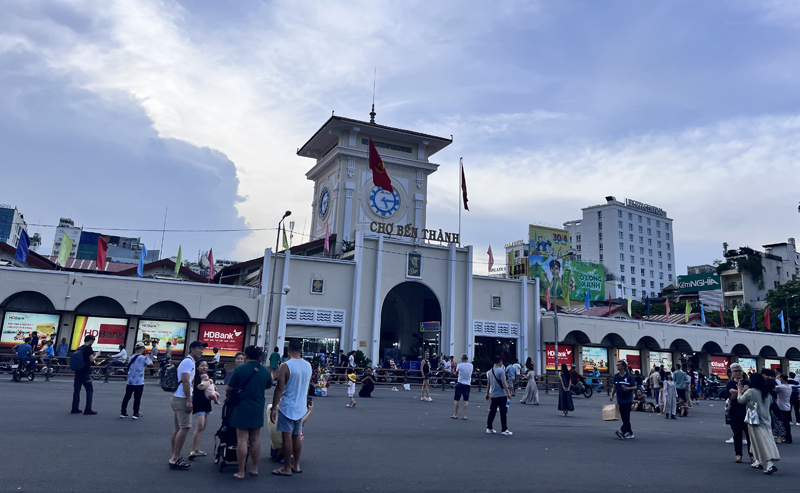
(216, 359)
(351, 387)
(210, 391)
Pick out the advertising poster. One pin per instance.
(568, 276)
(228, 338)
(548, 242)
(773, 364)
(719, 365)
(658, 358)
(633, 357)
(564, 356)
(698, 282)
(794, 367)
(595, 357)
(108, 333)
(19, 325)
(748, 365)
(174, 332)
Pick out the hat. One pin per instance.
(138, 345)
(352, 377)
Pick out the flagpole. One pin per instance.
(460, 176)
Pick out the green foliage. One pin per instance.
(482, 363)
(785, 297)
(751, 264)
(361, 360)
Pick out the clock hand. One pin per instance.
(386, 204)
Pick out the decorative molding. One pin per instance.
(419, 179)
(353, 135)
(495, 329)
(302, 315)
(351, 167)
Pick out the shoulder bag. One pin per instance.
(235, 397)
(751, 417)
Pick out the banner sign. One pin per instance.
(773, 364)
(632, 356)
(564, 356)
(698, 282)
(720, 365)
(794, 367)
(174, 332)
(228, 338)
(430, 326)
(658, 358)
(108, 333)
(570, 276)
(595, 357)
(748, 365)
(548, 242)
(19, 325)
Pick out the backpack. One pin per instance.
(170, 380)
(76, 360)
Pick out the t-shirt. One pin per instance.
(620, 381)
(512, 372)
(186, 366)
(784, 395)
(63, 349)
(736, 408)
(680, 379)
(168, 352)
(24, 350)
(655, 380)
(496, 376)
(49, 352)
(352, 361)
(351, 387)
(87, 362)
(464, 371)
(136, 369)
(274, 360)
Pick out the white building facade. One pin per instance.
(11, 224)
(66, 226)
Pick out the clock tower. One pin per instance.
(345, 198)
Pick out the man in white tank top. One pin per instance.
(289, 404)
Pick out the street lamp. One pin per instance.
(788, 320)
(272, 284)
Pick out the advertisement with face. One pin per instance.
(658, 358)
(162, 332)
(568, 276)
(19, 325)
(595, 358)
(108, 333)
(564, 356)
(719, 365)
(228, 338)
(633, 357)
(748, 365)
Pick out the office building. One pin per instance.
(66, 226)
(780, 263)
(11, 224)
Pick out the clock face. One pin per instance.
(324, 201)
(384, 203)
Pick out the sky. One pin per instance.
(115, 112)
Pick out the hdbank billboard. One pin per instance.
(19, 325)
(162, 332)
(568, 276)
(108, 333)
(698, 282)
(228, 338)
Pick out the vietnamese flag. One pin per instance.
(666, 304)
(379, 175)
(463, 186)
(211, 264)
(102, 248)
(766, 319)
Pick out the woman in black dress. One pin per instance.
(367, 384)
(425, 366)
(564, 395)
(202, 408)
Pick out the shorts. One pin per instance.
(350, 394)
(462, 390)
(286, 425)
(202, 413)
(182, 418)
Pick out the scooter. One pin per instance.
(20, 370)
(595, 384)
(577, 389)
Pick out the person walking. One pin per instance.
(498, 393)
(511, 373)
(564, 395)
(249, 381)
(153, 354)
(274, 361)
(182, 406)
(624, 386)
(679, 377)
(757, 402)
(784, 393)
(531, 389)
(669, 397)
(655, 384)
(351, 388)
(737, 411)
(464, 380)
(135, 383)
(83, 377)
(201, 406)
(289, 407)
(425, 366)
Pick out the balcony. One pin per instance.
(733, 286)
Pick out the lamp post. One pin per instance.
(788, 320)
(272, 285)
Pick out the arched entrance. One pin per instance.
(405, 307)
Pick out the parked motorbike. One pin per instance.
(20, 370)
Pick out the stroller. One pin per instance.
(225, 442)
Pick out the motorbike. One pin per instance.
(714, 391)
(99, 371)
(578, 389)
(595, 384)
(219, 373)
(20, 370)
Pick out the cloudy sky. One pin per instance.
(111, 112)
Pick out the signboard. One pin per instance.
(658, 358)
(748, 365)
(564, 356)
(548, 242)
(632, 356)
(719, 365)
(228, 338)
(174, 332)
(108, 333)
(595, 357)
(19, 325)
(773, 364)
(794, 367)
(641, 206)
(568, 276)
(430, 326)
(698, 282)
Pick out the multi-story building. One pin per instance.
(120, 248)
(516, 259)
(633, 240)
(66, 226)
(11, 224)
(778, 264)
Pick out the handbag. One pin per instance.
(235, 397)
(751, 417)
(611, 412)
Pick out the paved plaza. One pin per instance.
(391, 442)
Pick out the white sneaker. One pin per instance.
(729, 440)
(507, 433)
(490, 431)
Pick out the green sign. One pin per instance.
(430, 326)
(572, 276)
(698, 282)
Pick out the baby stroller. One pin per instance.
(225, 442)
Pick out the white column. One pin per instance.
(282, 310)
(537, 328)
(348, 209)
(523, 317)
(470, 334)
(263, 299)
(418, 201)
(335, 218)
(353, 336)
(376, 307)
(451, 299)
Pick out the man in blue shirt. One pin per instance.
(135, 385)
(624, 387)
(680, 382)
(24, 352)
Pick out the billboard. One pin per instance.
(719, 365)
(548, 242)
(228, 338)
(595, 356)
(698, 282)
(19, 325)
(794, 367)
(108, 333)
(174, 332)
(748, 365)
(658, 358)
(568, 276)
(773, 364)
(564, 356)
(632, 356)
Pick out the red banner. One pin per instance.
(719, 365)
(228, 338)
(564, 356)
(632, 356)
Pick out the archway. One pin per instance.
(712, 347)
(577, 337)
(101, 306)
(681, 345)
(166, 310)
(228, 315)
(405, 307)
(613, 340)
(793, 354)
(768, 352)
(29, 301)
(648, 342)
(741, 350)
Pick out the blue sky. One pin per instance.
(113, 111)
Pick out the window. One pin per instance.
(600, 225)
(650, 252)
(668, 246)
(649, 242)
(619, 213)
(669, 266)
(649, 231)
(658, 224)
(633, 281)
(601, 246)
(669, 277)
(622, 278)
(621, 267)
(578, 248)
(641, 261)
(579, 257)
(661, 276)
(640, 230)
(644, 283)
(640, 218)
(601, 258)
(622, 257)
(630, 227)
(652, 274)
(621, 236)
(630, 237)
(630, 217)
(652, 286)
(642, 272)
(633, 270)
(600, 215)
(651, 262)
(669, 256)
(641, 250)
(578, 238)
(666, 225)
(633, 292)
(659, 254)
(641, 240)
(658, 234)
(658, 244)
(777, 283)
(660, 265)
(667, 235)
(600, 236)
(632, 249)
(621, 246)
(648, 220)
(633, 259)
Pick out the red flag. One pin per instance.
(463, 185)
(102, 248)
(211, 264)
(491, 259)
(666, 303)
(609, 303)
(327, 239)
(379, 175)
(766, 319)
(547, 297)
(721, 318)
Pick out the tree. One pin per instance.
(786, 298)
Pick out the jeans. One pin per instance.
(738, 427)
(85, 380)
(795, 405)
(655, 395)
(625, 414)
(136, 392)
(114, 362)
(786, 418)
(498, 402)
